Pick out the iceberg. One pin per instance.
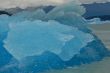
(40, 41)
(29, 37)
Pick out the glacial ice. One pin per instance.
(97, 21)
(3, 24)
(28, 15)
(5, 56)
(34, 38)
(41, 41)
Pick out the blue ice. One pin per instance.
(59, 38)
(33, 38)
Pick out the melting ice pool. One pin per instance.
(103, 32)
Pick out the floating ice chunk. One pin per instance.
(33, 38)
(97, 21)
(72, 19)
(66, 8)
(68, 14)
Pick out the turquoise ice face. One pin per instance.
(31, 38)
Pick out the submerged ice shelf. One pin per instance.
(38, 41)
